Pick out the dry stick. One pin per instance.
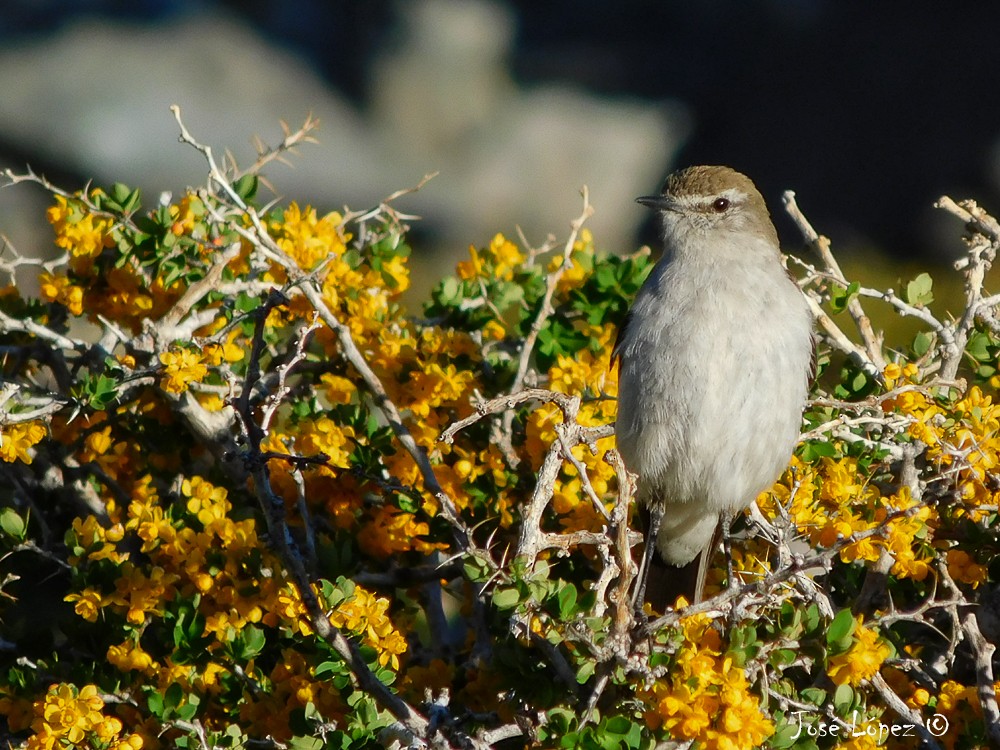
(546, 308)
(553, 281)
(267, 154)
(765, 584)
(505, 403)
(194, 293)
(821, 245)
(274, 513)
(983, 652)
(897, 705)
(979, 259)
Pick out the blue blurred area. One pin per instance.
(869, 110)
(336, 37)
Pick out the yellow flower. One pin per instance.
(862, 660)
(326, 436)
(88, 603)
(58, 288)
(128, 656)
(186, 214)
(339, 390)
(964, 568)
(497, 261)
(391, 531)
(206, 501)
(397, 270)
(181, 368)
(18, 438)
(472, 268)
(82, 234)
(365, 614)
(307, 238)
(707, 698)
(505, 255)
(75, 718)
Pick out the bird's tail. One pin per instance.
(667, 582)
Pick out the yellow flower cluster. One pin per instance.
(360, 291)
(79, 232)
(497, 261)
(183, 561)
(832, 502)
(125, 293)
(958, 703)
(390, 531)
(17, 439)
(362, 613)
(367, 615)
(578, 265)
(211, 562)
(68, 717)
(706, 697)
(181, 367)
(59, 288)
(862, 660)
(308, 239)
(591, 375)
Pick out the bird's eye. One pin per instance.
(720, 204)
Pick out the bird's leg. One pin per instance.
(652, 529)
(727, 546)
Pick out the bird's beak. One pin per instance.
(657, 202)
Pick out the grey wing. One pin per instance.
(616, 351)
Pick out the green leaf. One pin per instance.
(12, 524)
(567, 601)
(476, 568)
(98, 391)
(922, 343)
(815, 696)
(121, 198)
(407, 503)
(173, 696)
(155, 702)
(329, 669)
(841, 296)
(815, 449)
(919, 291)
(838, 637)
(782, 657)
(811, 619)
(979, 347)
(506, 598)
(843, 699)
(252, 640)
(246, 186)
(786, 735)
(789, 618)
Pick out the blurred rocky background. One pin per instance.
(868, 111)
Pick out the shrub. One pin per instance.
(249, 500)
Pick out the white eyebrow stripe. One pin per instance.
(732, 194)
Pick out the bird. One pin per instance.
(715, 357)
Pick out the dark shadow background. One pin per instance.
(869, 110)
